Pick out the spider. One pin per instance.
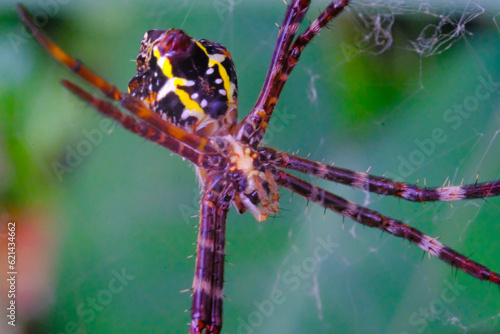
(184, 98)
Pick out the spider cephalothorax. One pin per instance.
(254, 179)
(190, 83)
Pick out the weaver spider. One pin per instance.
(263, 190)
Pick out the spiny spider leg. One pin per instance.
(145, 130)
(395, 227)
(74, 65)
(382, 185)
(133, 105)
(252, 129)
(206, 309)
(333, 9)
(218, 274)
(267, 100)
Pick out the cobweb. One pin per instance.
(449, 22)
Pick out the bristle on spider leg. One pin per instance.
(423, 257)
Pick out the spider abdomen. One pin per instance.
(190, 83)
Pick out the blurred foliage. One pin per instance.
(124, 208)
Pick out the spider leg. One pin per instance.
(147, 131)
(74, 65)
(130, 103)
(267, 99)
(252, 129)
(206, 309)
(374, 219)
(381, 185)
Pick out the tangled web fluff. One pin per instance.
(447, 23)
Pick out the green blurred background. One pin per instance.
(126, 206)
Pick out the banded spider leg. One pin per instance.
(253, 128)
(395, 227)
(382, 185)
(208, 280)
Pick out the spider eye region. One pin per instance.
(190, 83)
